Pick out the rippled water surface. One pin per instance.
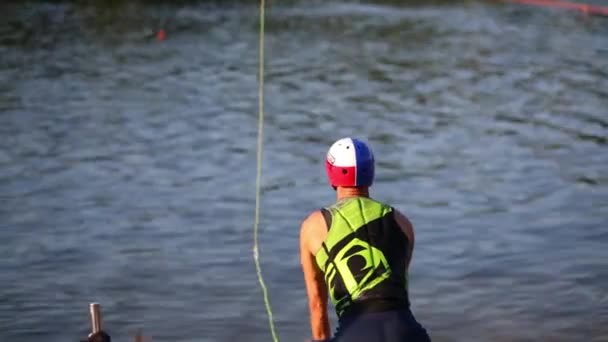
(127, 164)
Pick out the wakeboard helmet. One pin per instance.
(350, 163)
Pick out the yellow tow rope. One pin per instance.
(256, 224)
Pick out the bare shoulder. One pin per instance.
(311, 222)
(312, 231)
(405, 224)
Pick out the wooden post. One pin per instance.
(139, 337)
(95, 313)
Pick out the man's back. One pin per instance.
(357, 251)
(363, 257)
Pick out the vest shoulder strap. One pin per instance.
(327, 216)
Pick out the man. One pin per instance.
(357, 252)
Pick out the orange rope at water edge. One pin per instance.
(584, 8)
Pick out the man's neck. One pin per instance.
(342, 193)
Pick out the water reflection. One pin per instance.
(127, 164)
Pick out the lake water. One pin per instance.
(127, 164)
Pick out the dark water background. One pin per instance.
(127, 165)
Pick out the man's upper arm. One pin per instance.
(408, 229)
(315, 282)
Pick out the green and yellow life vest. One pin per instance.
(364, 255)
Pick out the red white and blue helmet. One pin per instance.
(350, 163)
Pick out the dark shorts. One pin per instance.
(386, 326)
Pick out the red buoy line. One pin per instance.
(584, 8)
